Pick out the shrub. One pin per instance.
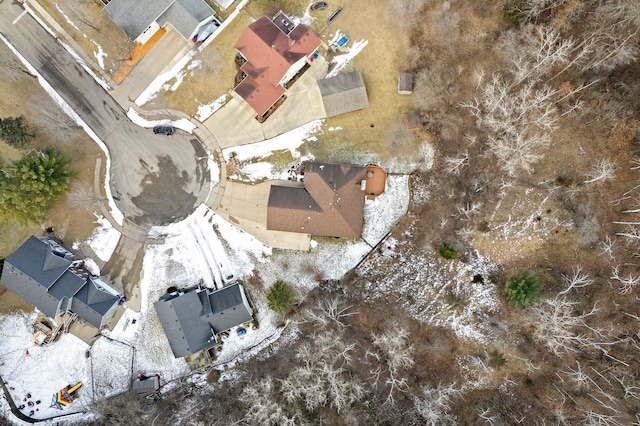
(280, 297)
(15, 131)
(522, 290)
(448, 252)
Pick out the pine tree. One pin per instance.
(15, 131)
(280, 297)
(522, 290)
(30, 186)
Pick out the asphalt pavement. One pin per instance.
(155, 180)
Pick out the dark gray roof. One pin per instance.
(146, 386)
(38, 260)
(180, 318)
(191, 318)
(229, 307)
(343, 93)
(42, 272)
(135, 16)
(68, 285)
(93, 303)
(286, 197)
(405, 83)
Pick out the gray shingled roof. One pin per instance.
(191, 317)
(229, 307)
(296, 198)
(343, 93)
(135, 16)
(42, 273)
(405, 83)
(146, 386)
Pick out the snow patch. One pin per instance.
(69, 21)
(381, 214)
(160, 81)
(91, 266)
(290, 140)
(104, 239)
(342, 61)
(100, 54)
(205, 111)
(183, 123)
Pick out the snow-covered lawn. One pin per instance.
(205, 111)
(290, 140)
(44, 370)
(202, 247)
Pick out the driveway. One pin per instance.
(235, 124)
(155, 179)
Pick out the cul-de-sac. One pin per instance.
(297, 212)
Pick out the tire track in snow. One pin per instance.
(204, 248)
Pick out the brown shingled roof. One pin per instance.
(330, 204)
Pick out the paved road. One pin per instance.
(155, 179)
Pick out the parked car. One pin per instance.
(163, 130)
(206, 31)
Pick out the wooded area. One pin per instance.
(532, 107)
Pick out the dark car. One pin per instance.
(163, 130)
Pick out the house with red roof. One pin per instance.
(275, 51)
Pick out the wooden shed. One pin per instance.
(412, 120)
(405, 83)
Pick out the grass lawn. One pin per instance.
(70, 223)
(213, 78)
(89, 26)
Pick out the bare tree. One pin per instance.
(323, 379)
(612, 36)
(434, 403)
(454, 165)
(329, 311)
(51, 120)
(84, 197)
(627, 282)
(561, 328)
(603, 171)
(398, 354)
(535, 51)
(529, 10)
(264, 408)
(516, 121)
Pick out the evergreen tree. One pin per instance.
(280, 297)
(15, 131)
(522, 290)
(30, 186)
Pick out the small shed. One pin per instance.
(412, 120)
(405, 83)
(146, 385)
